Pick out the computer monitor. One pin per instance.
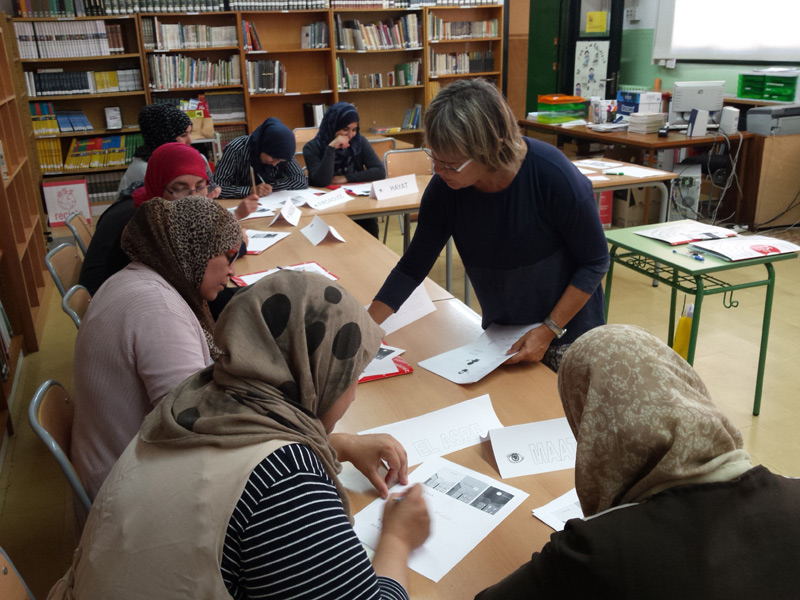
(686, 95)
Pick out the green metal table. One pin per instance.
(683, 272)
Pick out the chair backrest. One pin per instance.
(413, 161)
(12, 587)
(301, 160)
(64, 264)
(303, 135)
(382, 145)
(82, 231)
(50, 414)
(75, 302)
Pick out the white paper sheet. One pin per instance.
(465, 506)
(277, 199)
(258, 241)
(596, 164)
(337, 196)
(472, 362)
(632, 172)
(359, 189)
(289, 213)
(383, 364)
(259, 213)
(556, 513)
(443, 431)
(586, 171)
(318, 230)
(416, 306)
(309, 267)
(534, 448)
(598, 178)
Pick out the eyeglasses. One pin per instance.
(443, 165)
(232, 256)
(199, 190)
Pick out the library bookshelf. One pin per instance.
(22, 248)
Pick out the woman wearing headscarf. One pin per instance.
(149, 326)
(176, 170)
(340, 154)
(269, 151)
(673, 506)
(160, 124)
(230, 488)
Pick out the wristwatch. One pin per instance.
(559, 331)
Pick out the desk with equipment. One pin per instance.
(519, 394)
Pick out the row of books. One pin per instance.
(228, 133)
(314, 35)
(455, 63)
(57, 82)
(62, 121)
(278, 4)
(222, 106)
(109, 151)
(6, 333)
(394, 34)
(371, 4)
(439, 29)
(68, 39)
(405, 74)
(266, 77)
(178, 71)
(313, 113)
(102, 187)
(174, 36)
(412, 117)
(49, 152)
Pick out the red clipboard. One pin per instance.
(403, 368)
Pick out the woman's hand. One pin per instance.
(246, 206)
(339, 179)
(531, 346)
(369, 453)
(340, 141)
(214, 192)
(261, 190)
(406, 518)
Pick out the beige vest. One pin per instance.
(157, 527)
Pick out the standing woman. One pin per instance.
(340, 154)
(269, 150)
(148, 327)
(523, 219)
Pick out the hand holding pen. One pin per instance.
(262, 189)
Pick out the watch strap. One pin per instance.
(551, 325)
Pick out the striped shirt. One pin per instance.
(233, 171)
(289, 537)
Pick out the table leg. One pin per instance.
(762, 355)
(609, 276)
(673, 297)
(698, 304)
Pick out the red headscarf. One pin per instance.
(168, 162)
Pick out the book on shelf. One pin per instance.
(250, 36)
(313, 113)
(6, 333)
(168, 72)
(4, 173)
(68, 39)
(411, 117)
(745, 247)
(57, 82)
(266, 77)
(113, 117)
(314, 35)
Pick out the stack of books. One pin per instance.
(412, 117)
(57, 82)
(266, 77)
(314, 35)
(174, 36)
(99, 152)
(168, 72)
(646, 122)
(72, 120)
(49, 154)
(103, 187)
(225, 106)
(72, 39)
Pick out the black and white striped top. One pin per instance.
(233, 171)
(289, 537)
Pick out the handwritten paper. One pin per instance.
(534, 448)
(259, 213)
(318, 230)
(338, 196)
(464, 506)
(443, 431)
(477, 359)
(416, 306)
(394, 187)
(258, 241)
(555, 514)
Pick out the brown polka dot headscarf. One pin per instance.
(292, 344)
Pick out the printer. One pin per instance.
(774, 120)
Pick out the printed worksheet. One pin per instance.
(443, 431)
(416, 306)
(337, 196)
(382, 364)
(258, 213)
(289, 213)
(258, 241)
(477, 359)
(534, 448)
(556, 513)
(465, 506)
(309, 267)
(318, 230)
(277, 199)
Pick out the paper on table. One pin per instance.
(472, 362)
(683, 233)
(359, 189)
(598, 178)
(464, 506)
(443, 431)
(534, 448)
(309, 267)
(586, 171)
(556, 513)
(416, 306)
(337, 196)
(318, 230)
(382, 364)
(277, 199)
(258, 241)
(258, 213)
(632, 172)
(747, 246)
(597, 164)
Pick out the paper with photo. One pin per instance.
(443, 431)
(358, 189)
(534, 448)
(258, 241)
(334, 198)
(318, 230)
(416, 306)
(472, 362)
(464, 507)
(259, 213)
(383, 364)
(555, 514)
(289, 213)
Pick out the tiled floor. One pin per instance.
(35, 504)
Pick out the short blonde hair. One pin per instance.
(470, 118)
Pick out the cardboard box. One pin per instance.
(629, 208)
(632, 102)
(604, 208)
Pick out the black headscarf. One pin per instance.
(273, 138)
(160, 124)
(339, 116)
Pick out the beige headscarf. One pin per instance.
(177, 238)
(292, 344)
(643, 419)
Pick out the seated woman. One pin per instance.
(176, 170)
(160, 124)
(269, 150)
(340, 154)
(148, 327)
(677, 509)
(230, 488)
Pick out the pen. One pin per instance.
(253, 180)
(610, 173)
(261, 178)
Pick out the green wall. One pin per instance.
(636, 68)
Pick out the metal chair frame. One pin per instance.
(81, 229)
(64, 264)
(75, 302)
